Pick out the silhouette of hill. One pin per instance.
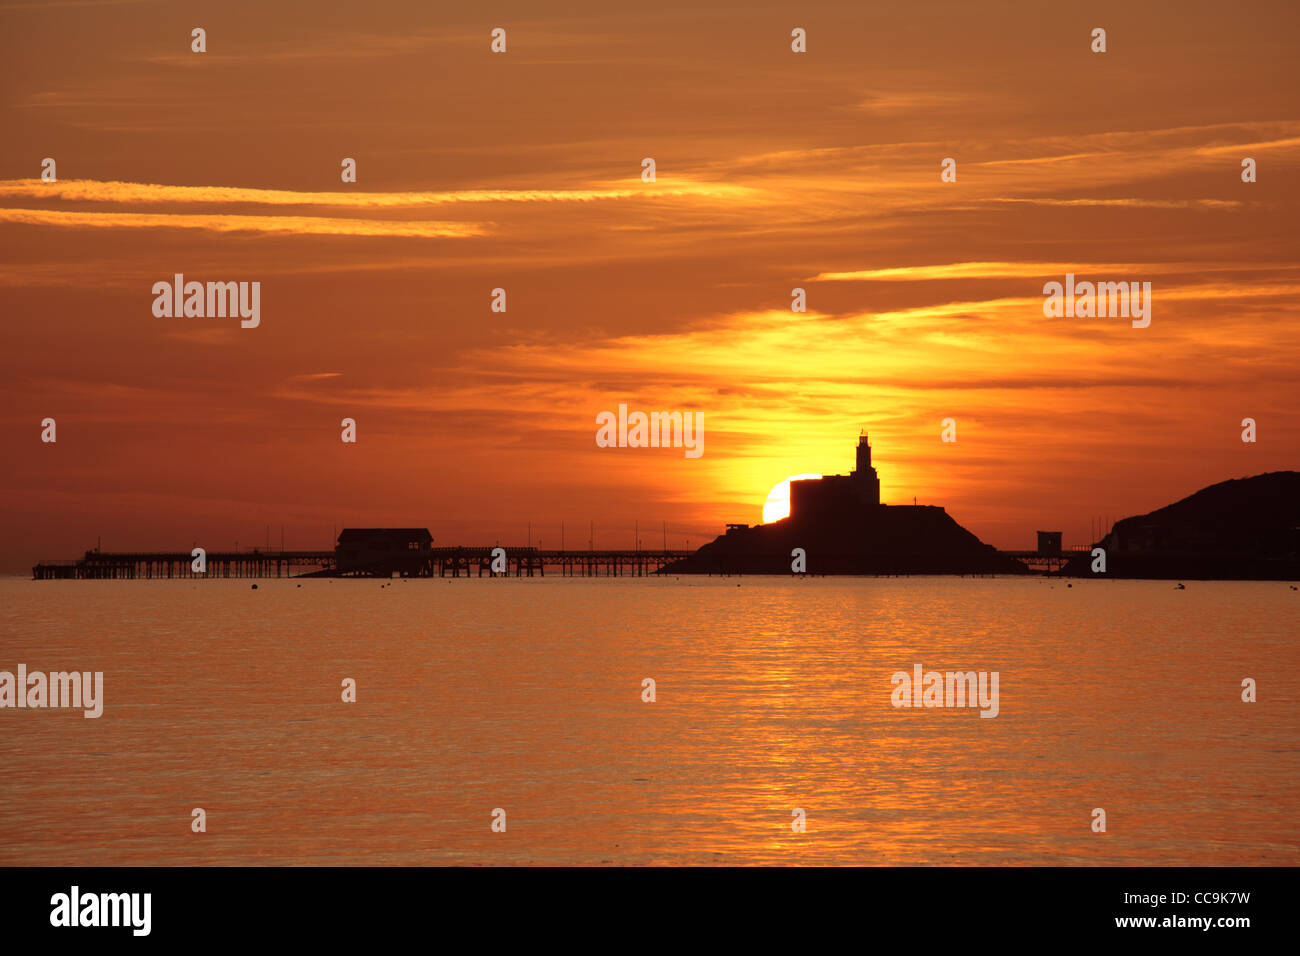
(1241, 529)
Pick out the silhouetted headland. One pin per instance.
(1242, 529)
(843, 528)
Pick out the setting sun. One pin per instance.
(777, 505)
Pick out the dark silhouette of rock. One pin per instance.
(874, 539)
(1242, 529)
(842, 528)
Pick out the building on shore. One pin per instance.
(383, 551)
(841, 527)
(816, 498)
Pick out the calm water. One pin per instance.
(773, 694)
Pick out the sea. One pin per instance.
(653, 721)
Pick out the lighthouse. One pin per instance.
(836, 497)
(865, 479)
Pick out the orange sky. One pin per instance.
(522, 170)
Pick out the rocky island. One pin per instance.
(840, 526)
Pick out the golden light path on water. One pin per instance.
(772, 694)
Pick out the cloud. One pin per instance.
(90, 190)
(913, 101)
(295, 225)
(1132, 203)
(996, 270)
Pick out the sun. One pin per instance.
(777, 505)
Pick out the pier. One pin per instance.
(1046, 562)
(452, 562)
(434, 563)
(409, 553)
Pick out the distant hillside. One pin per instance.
(1245, 528)
(871, 539)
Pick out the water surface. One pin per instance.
(772, 694)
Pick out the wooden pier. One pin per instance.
(435, 562)
(1046, 562)
(126, 565)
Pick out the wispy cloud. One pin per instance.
(912, 101)
(90, 190)
(1131, 203)
(296, 225)
(997, 270)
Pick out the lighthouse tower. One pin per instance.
(865, 479)
(837, 497)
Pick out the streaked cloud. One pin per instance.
(295, 225)
(89, 190)
(1133, 203)
(996, 270)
